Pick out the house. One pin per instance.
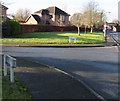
(119, 10)
(33, 19)
(4, 11)
(49, 16)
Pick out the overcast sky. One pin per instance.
(71, 6)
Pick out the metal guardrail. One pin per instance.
(116, 37)
(11, 63)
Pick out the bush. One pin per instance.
(10, 28)
(6, 29)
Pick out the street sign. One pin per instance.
(72, 37)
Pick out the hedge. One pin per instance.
(10, 28)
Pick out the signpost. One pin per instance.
(9, 62)
(72, 37)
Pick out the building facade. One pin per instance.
(119, 10)
(50, 16)
(3, 12)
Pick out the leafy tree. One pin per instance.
(76, 20)
(21, 14)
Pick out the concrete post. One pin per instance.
(5, 66)
(11, 72)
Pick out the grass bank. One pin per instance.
(56, 38)
(15, 90)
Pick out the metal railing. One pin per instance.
(11, 63)
(116, 37)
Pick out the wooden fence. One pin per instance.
(39, 28)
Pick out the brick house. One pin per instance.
(49, 16)
(4, 11)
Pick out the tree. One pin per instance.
(10, 28)
(92, 16)
(116, 21)
(85, 21)
(21, 14)
(76, 20)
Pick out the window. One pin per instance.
(62, 18)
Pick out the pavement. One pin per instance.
(57, 45)
(48, 83)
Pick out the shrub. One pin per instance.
(10, 28)
(6, 29)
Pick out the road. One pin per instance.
(96, 67)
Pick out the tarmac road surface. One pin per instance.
(96, 67)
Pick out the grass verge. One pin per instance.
(56, 38)
(15, 90)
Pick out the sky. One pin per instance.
(70, 6)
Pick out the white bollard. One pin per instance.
(5, 66)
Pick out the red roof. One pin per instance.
(54, 10)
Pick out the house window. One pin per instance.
(62, 18)
(47, 22)
(50, 16)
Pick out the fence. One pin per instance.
(116, 37)
(9, 62)
(39, 28)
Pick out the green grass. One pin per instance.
(0, 88)
(15, 90)
(56, 38)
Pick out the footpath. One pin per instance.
(57, 45)
(47, 83)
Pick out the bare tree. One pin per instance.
(92, 15)
(116, 21)
(22, 14)
(85, 21)
(76, 20)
